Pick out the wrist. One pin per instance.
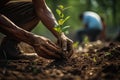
(61, 35)
(36, 41)
(31, 39)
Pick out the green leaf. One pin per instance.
(61, 21)
(66, 18)
(107, 53)
(62, 15)
(58, 29)
(67, 7)
(94, 59)
(61, 7)
(58, 12)
(65, 28)
(66, 32)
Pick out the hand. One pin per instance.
(66, 44)
(46, 48)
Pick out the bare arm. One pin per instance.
(48, 19)
(43, 46)
(46, 16)
(9, 28)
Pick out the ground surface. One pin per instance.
(93, 61)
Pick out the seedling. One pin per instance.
(94, 59)
(62, 19)
(76, 44)
(86, 40)
(107, 53)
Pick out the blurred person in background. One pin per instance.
(92, 26)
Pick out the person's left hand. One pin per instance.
(66, 44)
(45, 48)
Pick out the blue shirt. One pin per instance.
(92, 20)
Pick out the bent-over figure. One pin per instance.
(18, 18)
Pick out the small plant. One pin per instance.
(62, 19)
(86, 40)
(108, 54)
(76, 44)
(94, 59)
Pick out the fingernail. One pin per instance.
(64, 49)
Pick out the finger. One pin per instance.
(44, 53)
(70, 53)
(51, 47)
(69, 45)
(50, 54)
(56, 51)
(64, 46)
(59, 42)
(53, 44)
(70, 48)
(40, 53)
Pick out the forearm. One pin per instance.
(8, 28)
(50, 22)
(46, 16)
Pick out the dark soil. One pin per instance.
(93, 61)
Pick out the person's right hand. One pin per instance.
(46, 48)
(66, 45)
